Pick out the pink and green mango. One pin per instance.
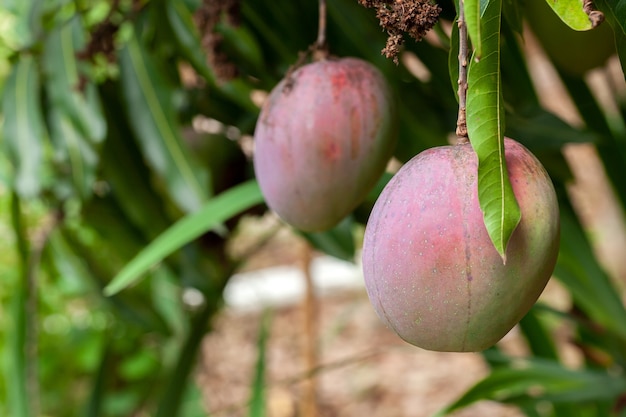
(431, 271)
(322, 140)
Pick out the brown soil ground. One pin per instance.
(364, 369)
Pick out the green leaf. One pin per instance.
(153, 119)
(540, 129)
(128, 176)
(17, 385)
(615, 14)
(67, 88)
(181, 22)
(485, 124)
(27, 25)
(241, 44)
(75, 117)
(73, 153)
(536, 380)
(571, 13)
(590, 287)
(337, 242)
(473, 22)
(23, 130)
(538, 336)
(512, 12)
(214, 212)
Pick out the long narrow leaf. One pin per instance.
(472, 20)
(75, 97)
(535, 380)
(181, 22)
(153, 119)
(23, 131)
(589, 285)
(214, 212)
(485, 123)
(19, 403)
(615, 13)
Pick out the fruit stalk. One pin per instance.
(461, 123)
(320, 44)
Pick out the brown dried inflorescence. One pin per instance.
(207, 17)
(415, 17)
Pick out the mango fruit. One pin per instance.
(431, 271)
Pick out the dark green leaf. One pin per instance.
(187, 37)
(241, 45)
(485, 124)
(167, 300)
(23, 130)
(93, 407)
(536, 380)
(337, 242)
(512, 12)
(75, 156)
(581, 273)
(128, 175)
(153, 119)
(615, 13)
(453, 60)
(541, 129)
(17, 394)
(214, 212)
(537, 336)
(74, 95)
(75, 117)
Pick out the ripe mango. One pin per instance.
(431, 270)
(322, 140)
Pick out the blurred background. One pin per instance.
(126, 138)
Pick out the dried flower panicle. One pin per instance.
(415, 17)
(206, 18)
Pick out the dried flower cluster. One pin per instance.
(207, 17)
(415, 17)
(595, 17)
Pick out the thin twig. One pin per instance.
(321, 27)
(461, 124)
(319, 49)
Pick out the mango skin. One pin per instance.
(322, 140)
(431, 271)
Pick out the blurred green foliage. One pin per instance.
(102, 169)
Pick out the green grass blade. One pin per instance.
(172, 400)
(213, 213)
(257, 400)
